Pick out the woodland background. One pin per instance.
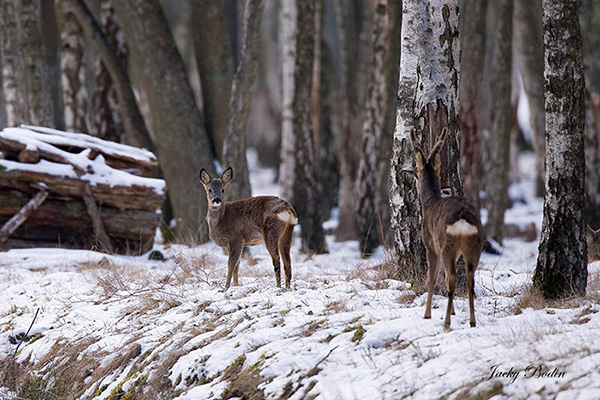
(313, 88)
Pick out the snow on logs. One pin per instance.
(76, 191)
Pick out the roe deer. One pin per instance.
(451, 227)
(235, 224)
(593, 244)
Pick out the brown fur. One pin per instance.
(593, 244)
(438, 214)
(249, 222)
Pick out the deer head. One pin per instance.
(215, 187)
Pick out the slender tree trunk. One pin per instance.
(347, 143)
(306, 196)
(182, 144)
(502, 121)
(137, 134)
(589, 17)
(561, 269)
(368, 205)
(107, 121)
(530, 59)
(234, 146)
(25, 69)
(215, 65)
(288, 54)
(72, 67)
(3, 116)
(427, 102)
(472, 62)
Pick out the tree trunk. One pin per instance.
(368, 209)
(347, 143)
(288, 59)
(530, 59)
(72, 68)
(234, 146)
(471, 67)
(135, 127)
(25, 68)
(107, 121)
(427, 102)
(182, 144)
(561, 269)
(212, 47)
(590, 24)
(502, 120)
(306, 196)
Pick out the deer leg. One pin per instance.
(271, 236)
(433, 261)
(285, 245)
(450, 263)
(235, 251)
(471, 290)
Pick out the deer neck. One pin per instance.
(430, 190)
(214, 215)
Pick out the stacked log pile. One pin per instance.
(76, 191)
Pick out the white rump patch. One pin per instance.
(286, 216)
(461, 228)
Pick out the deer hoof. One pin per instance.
(473, 324)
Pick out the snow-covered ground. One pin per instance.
(112, 325)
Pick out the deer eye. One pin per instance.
(222, 190)
(209, 190)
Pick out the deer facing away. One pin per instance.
(249, 222)
(451, 227)
(593, 244)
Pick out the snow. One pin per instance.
(345, 330)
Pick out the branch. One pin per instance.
(19, 218)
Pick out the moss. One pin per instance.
(358, 334)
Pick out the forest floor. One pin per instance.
(116, 327)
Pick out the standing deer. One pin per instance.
(235, 224)
(593, 244)
(451, 227)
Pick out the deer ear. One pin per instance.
(204, 176)
(437, 163)
(227, 176)
(419, 159)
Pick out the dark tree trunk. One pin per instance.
(561, 269)
(306, 197)
(214, 58)
(74, 90)
(368, 209)
(107, 121)
(502, 121)
(472, 62)
(427, 102)
(530, 59)
(135, 127)
(234, 146)
(182, 144)
(589, 17)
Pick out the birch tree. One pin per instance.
(368, 207)
(561, 269)
(234, 146)
(427, 102)
(74, 90)
(502, 120)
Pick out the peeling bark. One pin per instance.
(561, 269)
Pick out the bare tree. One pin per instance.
(214, 58)
(562, 262)
(25, 80)
(368, 205)
(234, 146)
(182, 144)
(73, 69)
(106, 119)
(528, 39)
(427, 102)
(472, 59)
(502, 121)
(306, 196)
